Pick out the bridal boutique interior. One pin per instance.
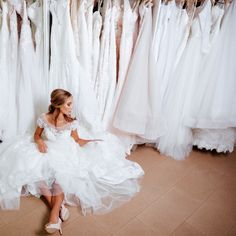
(159, 75)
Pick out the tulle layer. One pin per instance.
(97, 176)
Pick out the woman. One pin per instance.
(64, 168)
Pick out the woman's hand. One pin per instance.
(95, 140)
(42, 146)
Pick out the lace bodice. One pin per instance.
(53, 133)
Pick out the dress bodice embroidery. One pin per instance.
(53, 133)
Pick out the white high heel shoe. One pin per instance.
(64, 212)
(52, 228)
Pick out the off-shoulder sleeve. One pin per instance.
(74, 125)
(40, 122)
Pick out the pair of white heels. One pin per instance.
(53, 227)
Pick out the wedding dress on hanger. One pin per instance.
(89, 22)
(74, 23)
(157, 58)
(214, 116)
(83, 39)
(127, 43)
(25, 100)
(4, 68)
(106, 78)
(129, 26)
(13, 73)
(131, 111)
(177, 141)
(35, 13)
(97, 27)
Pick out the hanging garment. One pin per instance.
(13, 74)
(74, 23)
(65, 70)
(118, 18)
(4, 68)
(129, 26)
(215, 108)
(96, 176)
(212, 132)
(97, 27)
(106, 78)
(27, 74)
(177, 141)
(131, 111)
(83, 47)
(127, 43)
(35, 13)
(89, 22)
(157, 60)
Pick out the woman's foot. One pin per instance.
(53, 227)
(64, 213)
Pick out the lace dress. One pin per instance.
(26, 103)
(4, 78)
(96, 176)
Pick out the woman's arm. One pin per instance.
(80, 141)
(37, 138)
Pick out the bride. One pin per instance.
(64, 169)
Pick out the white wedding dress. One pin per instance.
(213, 115)
(129, 26)
(106, 78)
(35, 13)
(83, 41)
(13, 74)
(132, 108)
(177, 140)
(96, 176)
(4, 68)
(97, 27)
(27, 73)
(162, 53)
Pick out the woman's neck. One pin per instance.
(58, 116)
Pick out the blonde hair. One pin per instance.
(58, 98)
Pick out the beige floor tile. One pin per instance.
(31, 224)
(136, 228)
(165, 215)
(223, 163)
(147, 157)
(186, 230)
(199, 184)
(166, 175)
(232, 231)
(1, 223)
(216, 216)
(27, 205)
(84, 226)
(113, 221)
(228, 184)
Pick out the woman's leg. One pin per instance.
(46, 193)
(54, 214)
(56, 201)
(49, 200)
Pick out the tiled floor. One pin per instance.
(192, 197)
